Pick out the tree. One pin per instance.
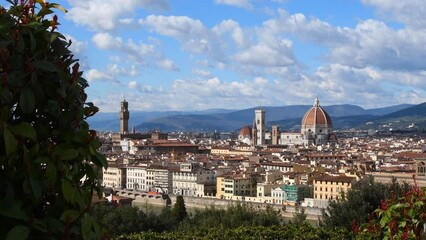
(179, 210)
(49, 161)
(397, 218)
(304, 191)
(115, 221)
(362, 199)
(299, 216)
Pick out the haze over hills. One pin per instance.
(288, 117)
(109, 121)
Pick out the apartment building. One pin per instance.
(328, 187)
(136, 178)
(114, 176)
(193, 180)
(229, 185)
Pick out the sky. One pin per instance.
(164, 55)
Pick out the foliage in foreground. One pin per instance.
(49, 162)
(397, 218)
(234, 216)
(116, 221)
(304, 231)
(361, 200)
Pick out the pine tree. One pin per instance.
(179, 210)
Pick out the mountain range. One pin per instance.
(287, 117)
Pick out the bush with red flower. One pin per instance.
(397, 218)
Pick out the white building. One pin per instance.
(159, 178)
(193, 180)
(136, 178)
(278, 195)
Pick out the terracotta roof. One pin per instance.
(245, 131)
(330, 178)
(316, 116)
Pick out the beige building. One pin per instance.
(227, 151)
(114, 176)
(235, 185)
(327, 187)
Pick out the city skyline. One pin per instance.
(165, 55)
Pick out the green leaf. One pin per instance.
(53, 37)
(14, 211)
(68, 154)
(10, 142)
(67, 190)
(18, 232)
(51, 172)
(33, 41)
(27, 100)
(89, 228)
(24, 129)
(35, 186)
(384, 221)
(70, 215)
(34, 24)
(45, 65)
(102, 159)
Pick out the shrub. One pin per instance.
(49, 162)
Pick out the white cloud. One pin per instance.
(180, 27)
(127, 21)
(370, 43)
(202, 73)
(237, 3)
(94, 74)
(140, 53)
(101, 15)
(167, 64)
(193, 35)
(110, 73)
(232, 27)
(106, 41)
(133, 85)
(279, 54)
(409, 12)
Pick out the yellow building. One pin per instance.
(331, 187)
(114, 176)
(229, 186)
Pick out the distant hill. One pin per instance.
(288, 117)
(387, 110)
(413, 117)
(109, 121)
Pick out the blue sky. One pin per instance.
(200, 54)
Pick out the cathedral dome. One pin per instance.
(245, 132)
(316, 117)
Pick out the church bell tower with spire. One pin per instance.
(124, 117)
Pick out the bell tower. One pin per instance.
(124, 117)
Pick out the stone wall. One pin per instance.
(286, 211)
